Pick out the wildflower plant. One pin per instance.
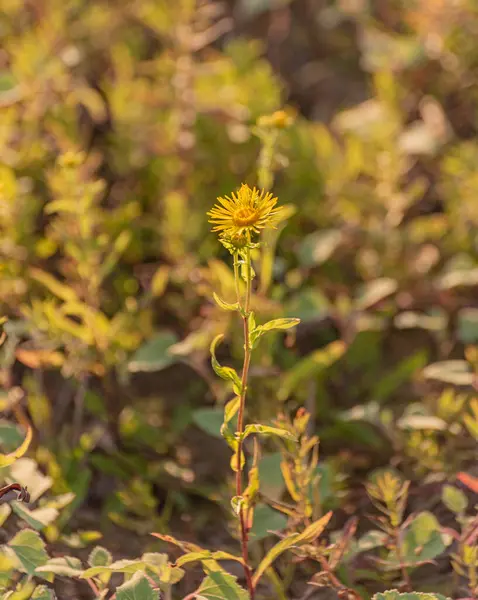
(238, 219)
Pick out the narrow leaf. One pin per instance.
(8, 459)
(225, 305)
(227, 373)
(296, 539)
(206, 555)
(311, 366)
(54, 286)
(267, 430)
(231, 409)
(68, 566)
(273, 553)
(313, 531)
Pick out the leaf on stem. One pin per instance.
(225, 305)
(8, 459)
(274, 325)
(296, 539)
(219, 585)
(227, 373)
(267, 430)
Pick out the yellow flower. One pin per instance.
(247, 211)
(280, 119)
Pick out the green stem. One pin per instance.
(403, 568)
(236, 280)
(240, 420)
(265, 176)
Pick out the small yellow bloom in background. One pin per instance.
(280, 119)
(245, 212)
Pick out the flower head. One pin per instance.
(247, 211)
(280, 119)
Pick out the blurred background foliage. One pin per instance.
(120, 123)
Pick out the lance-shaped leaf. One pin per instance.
(223, 304)
(296, 539)
(68, 566)
(205, 555)
(252, 488)
(54, 286)
(267, 430)
(396, 595)
(274, 325)
(231, 409)
(8, 459)
(310, 366)
(227, 373)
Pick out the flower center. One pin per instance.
(245, 216)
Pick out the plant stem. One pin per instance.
(240, 419)
(236, 280)
(403, 568)
(265, 176)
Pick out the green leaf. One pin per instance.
(275, 324)
(10, 435)
(38, 518)
(41, 592)
(423, 541)
(227, 373)
(231, 409)
(119, 566)
(111, 260)
(267, 430)
(223, 304)
(252, 489)
(468, 326)
(206, 555)
(8, 459)
(99, 557)
(29, 548)
(270, 474)
(396, 595)
(219, 585)
(68, 566)
(137, 588)
(154, 355)
(311, 366)
(54, 286)
(296, 539)
(454, 499)
(266, 520)
(209, 420)
(313, 531)
(471, 420)
(274, 553)
(424, 526)
(400, 374)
